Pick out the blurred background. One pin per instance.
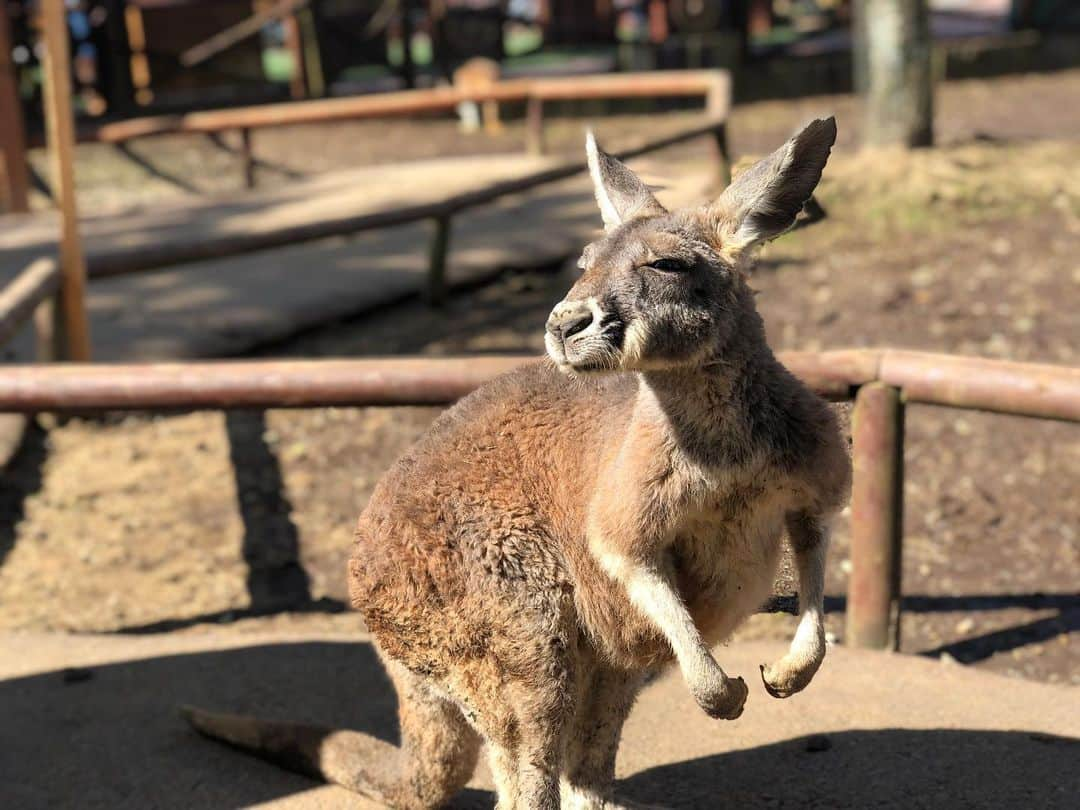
(948, 221)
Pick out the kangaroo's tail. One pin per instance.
(436, 759)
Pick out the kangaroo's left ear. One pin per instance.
(619, 192)
(764, 200)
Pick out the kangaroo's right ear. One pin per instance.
(764, 200)
(619, 192)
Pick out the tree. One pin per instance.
(893, 71)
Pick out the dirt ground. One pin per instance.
(151, 170)
(144, 523)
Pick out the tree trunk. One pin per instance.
(893, 71)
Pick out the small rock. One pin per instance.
(1001, 247)
(297, 451)
(965, 625)
(923, 277)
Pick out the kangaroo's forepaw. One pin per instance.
(789, 675)
(722, 697)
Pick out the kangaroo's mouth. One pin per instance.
(595, 349)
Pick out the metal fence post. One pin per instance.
(877, 506)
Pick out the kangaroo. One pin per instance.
(572, 527)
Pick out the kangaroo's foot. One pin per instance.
(790, 674)
(719, 695)
(575, 798)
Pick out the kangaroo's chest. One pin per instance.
(726, 547)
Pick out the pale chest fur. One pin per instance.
(718, 534)
(725, 541)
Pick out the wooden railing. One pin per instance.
(70, 318)
(881, 382)
(714, 86)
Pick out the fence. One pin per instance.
(70, 317)
(881, 382)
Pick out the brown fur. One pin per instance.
(573, 526)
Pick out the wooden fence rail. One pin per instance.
(35, 285)
(145, 257)
(714, 86)
(881, 381)
(71, 321)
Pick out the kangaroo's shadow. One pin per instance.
(111, 735)
(881, 768)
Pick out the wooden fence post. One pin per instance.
(60, 130)
(877, 507)
(294, 44)
(247, 156)
(722, 155)
(440, 244)
(717, 109)
(534, 125)
(14, 178)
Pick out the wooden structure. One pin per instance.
(714, 86)
(73, 338)
(14, 179)
(880, 381)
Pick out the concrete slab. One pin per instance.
(874, 729)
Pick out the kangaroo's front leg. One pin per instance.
(810, 541)
(651, 591)
(636, 564)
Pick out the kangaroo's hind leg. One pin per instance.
(439, 749)
(593, 739)
(436, 758)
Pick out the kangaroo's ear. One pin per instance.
(764, 200)
(619, 192)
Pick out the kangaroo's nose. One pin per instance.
(568, 319)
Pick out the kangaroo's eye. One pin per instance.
(669, 265)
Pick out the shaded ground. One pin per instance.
(854, 739)
(128, 524)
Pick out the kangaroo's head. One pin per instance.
(668, 289)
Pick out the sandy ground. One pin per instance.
(155, 523)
